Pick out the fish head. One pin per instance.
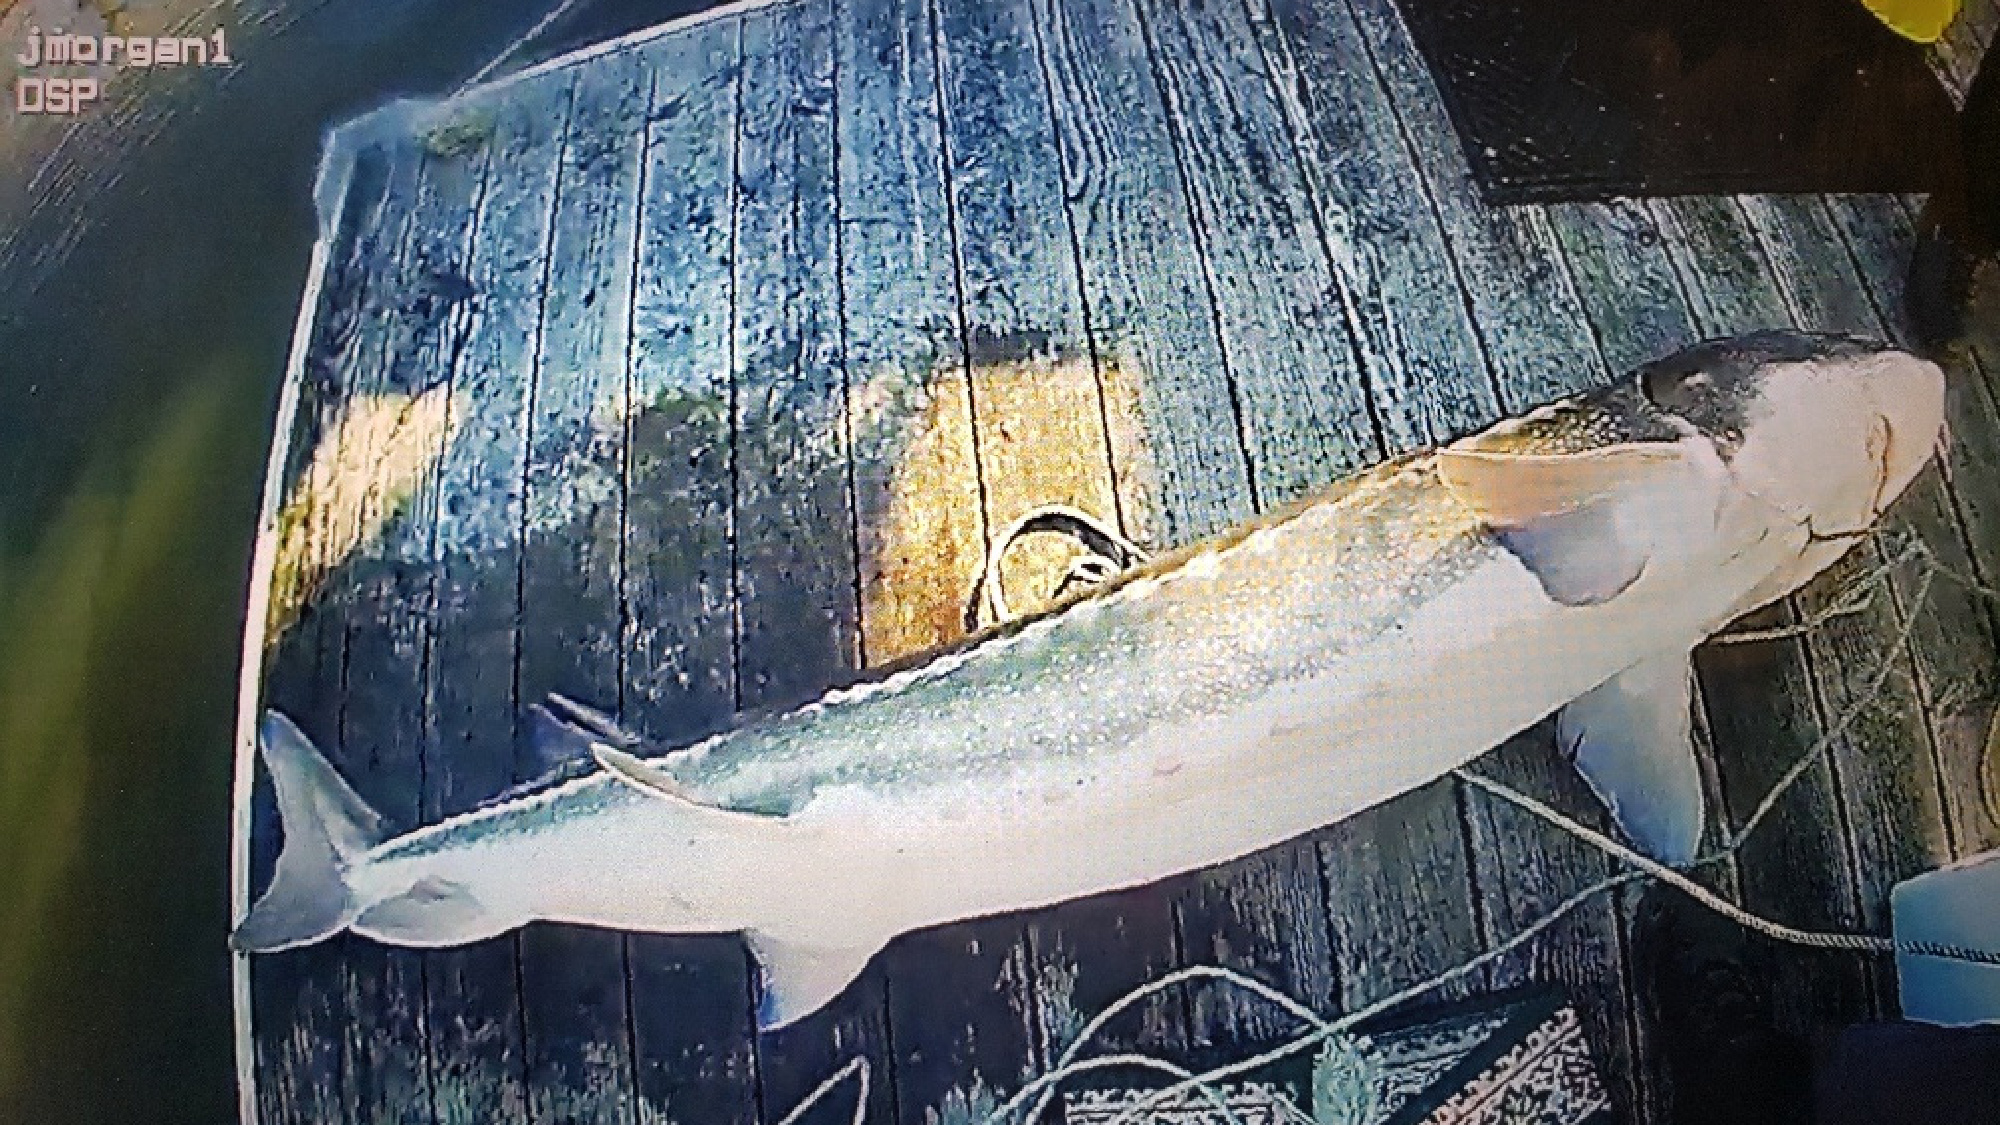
(1821, 431)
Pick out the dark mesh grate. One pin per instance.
(1585, 99)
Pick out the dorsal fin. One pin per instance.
(655, 782)
(585, 717)
(553, 744)
(640, 774)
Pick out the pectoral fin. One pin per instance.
(1565, 516)
(1512, 489)
(1633, 740)
(1580, 557)
(800, 977)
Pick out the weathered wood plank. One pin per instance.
(1957, 56)
(795, 526)
(1388, 934)
(1525, 869)
(1182, 473)
(1176, 471)
(574, 979)
(300, 998)
(1430, 383)
(678, 645)
(1382, 233)
(911, 409)
(1040, 431)
(1887, 762)
(1306, 415)
(389, 608)
(1531, 323)
(1765, 699)
(1170, 396)
(693, 1028)
(478, 1058)
(797, 594)
(1303, 413)
(1953, 60)
(1038, 413)
(1263, 916)
(1536, 342)
(1954, 643)
(1635, 304)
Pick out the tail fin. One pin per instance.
(327, 826)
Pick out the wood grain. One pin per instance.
(1306, 415)
(910, 410)
(1537, 345)
(478, 1057)
(1382, 232)
(574, 989)
(691, 996)
(1766, 702)
(301, 998)
(796, 572)
(1170, 396)
(1039, 438)
(389, 597)
(1523, 300)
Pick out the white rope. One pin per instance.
(1297, 1010)
(1847, 719)
(1110, 552)
(1853, 942)
(858, 1065)
(1370, 1011)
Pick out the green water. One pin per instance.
(139, 373)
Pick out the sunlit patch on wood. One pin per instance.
(1135, 470)
(362, 475)
(1041, 439)
(922, 535)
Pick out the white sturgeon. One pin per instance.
(1220, 700)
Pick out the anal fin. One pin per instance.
(1633, 740)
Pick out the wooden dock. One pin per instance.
(688, 375)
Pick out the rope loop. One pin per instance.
(1108, 554)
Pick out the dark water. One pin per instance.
(139, 372)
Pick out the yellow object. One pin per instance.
(1921, 20)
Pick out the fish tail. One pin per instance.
(327, 828)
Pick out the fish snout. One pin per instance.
(1909, 400)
